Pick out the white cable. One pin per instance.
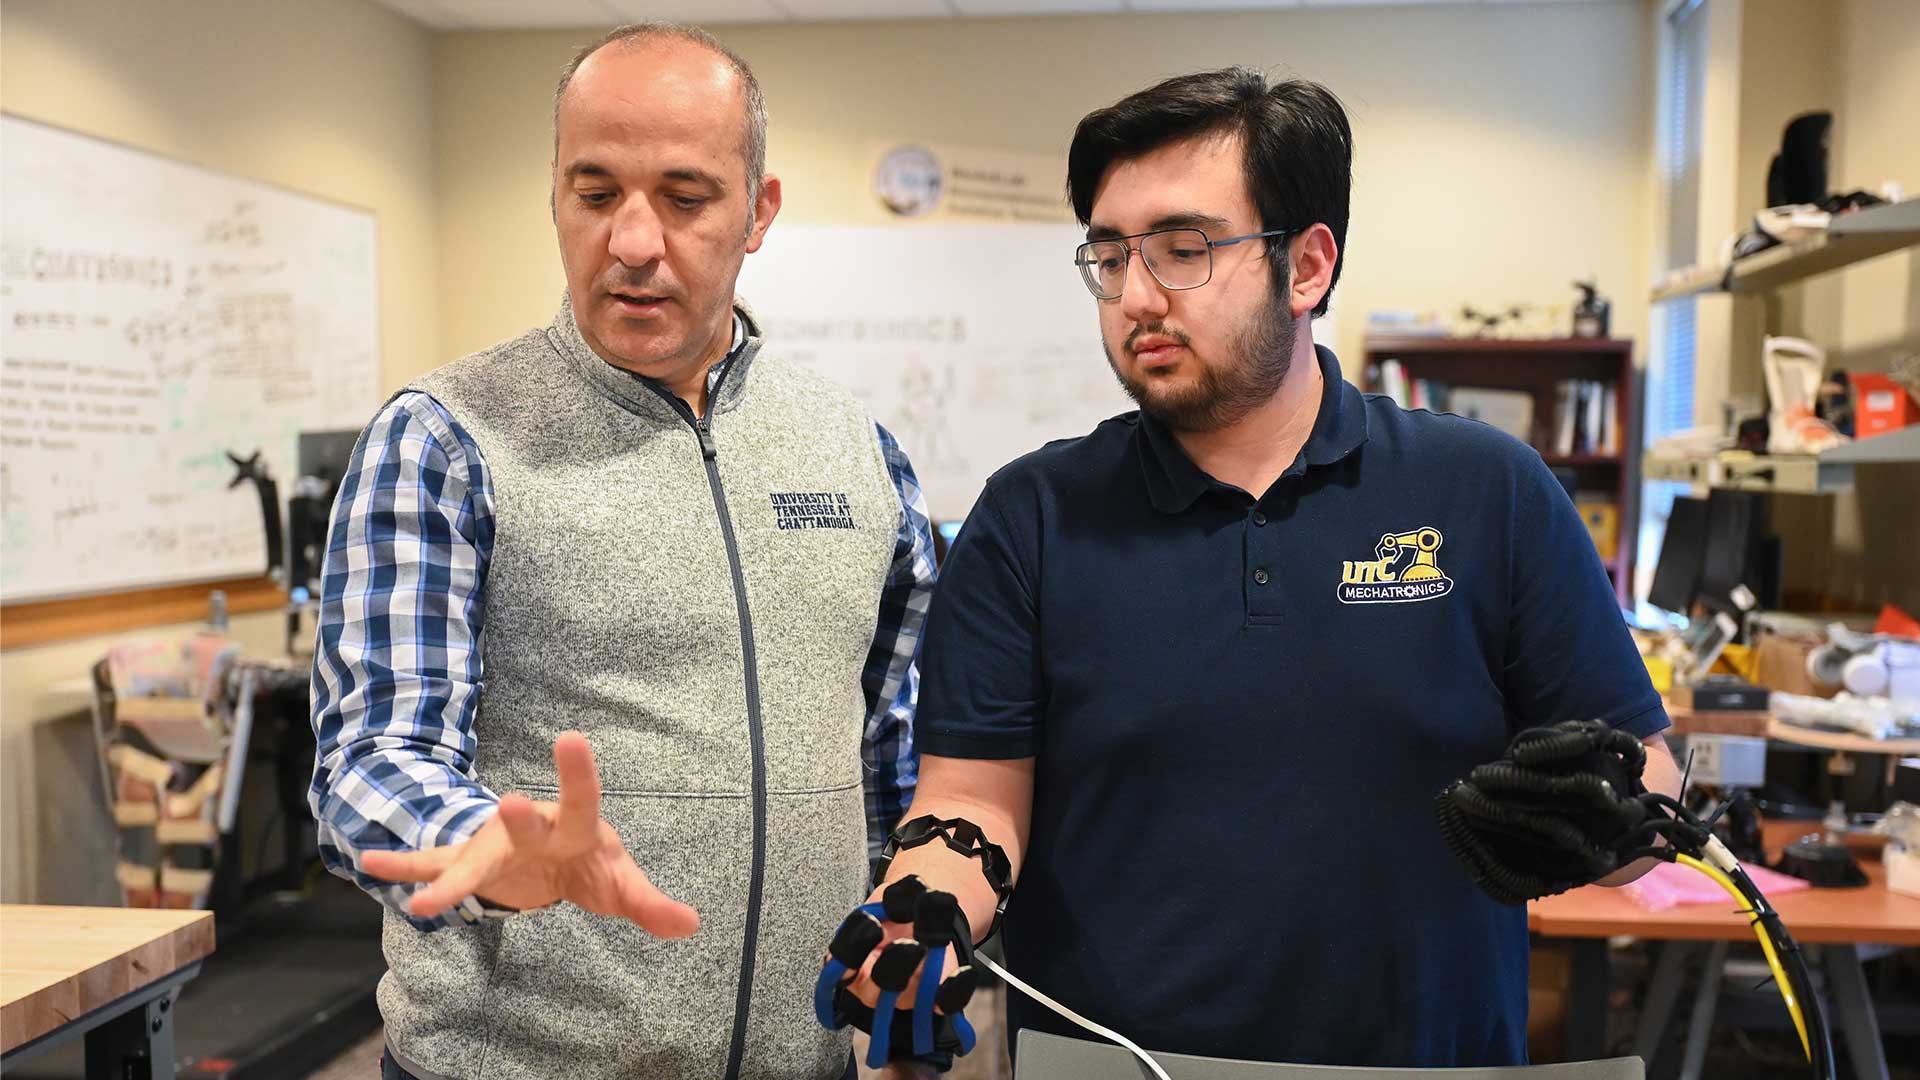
(1105, 1033)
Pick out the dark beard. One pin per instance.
(1258, 360)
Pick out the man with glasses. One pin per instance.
(1200, 674)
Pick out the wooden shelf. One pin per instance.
(1475, 346)
(1851, 238)
(1582, 459)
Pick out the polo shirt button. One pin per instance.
(1259, 518)
(1260, 576)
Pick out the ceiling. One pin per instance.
(557, 14)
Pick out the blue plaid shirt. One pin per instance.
(397, 670)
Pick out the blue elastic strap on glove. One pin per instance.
(891, 972)
(851, 943)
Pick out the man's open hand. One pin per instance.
(531, 854)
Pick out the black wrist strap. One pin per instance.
(959, 835)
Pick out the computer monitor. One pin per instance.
(944, 534)
(322, 454)
(325, 454)
(1740, 551)
(1683, 554)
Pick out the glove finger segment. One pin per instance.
(933, 922)
(897, 963)
(902, 898)
(858, 936)
(956, 990)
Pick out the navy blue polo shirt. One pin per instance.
(1242, 710)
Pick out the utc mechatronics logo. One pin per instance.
(1402, 570)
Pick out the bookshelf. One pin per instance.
(1537, 367)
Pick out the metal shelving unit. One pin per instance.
(1801, 474)
(1852, 238)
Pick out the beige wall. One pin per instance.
(334, 99)
(1767, 65)
(1874, 86)
(1502, 150)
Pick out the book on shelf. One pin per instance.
(1392, 381)
(1586, 418)
(1510, 411)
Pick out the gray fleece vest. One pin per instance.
(700, 606)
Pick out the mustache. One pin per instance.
(648, 284)
(1170, 333)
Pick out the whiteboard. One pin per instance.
(155, 316)
(971, 344)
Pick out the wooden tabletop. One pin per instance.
(1870, 914)
(1834, 740)
(60, 963)
(1690, 721)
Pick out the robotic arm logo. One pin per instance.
(1404, 569)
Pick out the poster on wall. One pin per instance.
(945, 183)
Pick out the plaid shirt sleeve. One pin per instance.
(891, 678)
(396, 674)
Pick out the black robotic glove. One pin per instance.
(1563, 807)
(933, 1028)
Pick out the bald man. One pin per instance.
(610, 828)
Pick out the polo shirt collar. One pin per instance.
(1175, 483)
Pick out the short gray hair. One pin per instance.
(753, 148)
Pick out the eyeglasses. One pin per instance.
(1177, 259)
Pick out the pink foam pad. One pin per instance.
(1670, 884)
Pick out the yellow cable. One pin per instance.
(1766, 945)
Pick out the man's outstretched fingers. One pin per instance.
(652, 910)
(479, 859)
(526, 826)
(579, 816)
(407, 866)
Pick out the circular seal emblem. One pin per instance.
(908, 181)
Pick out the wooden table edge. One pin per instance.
(50, 1015)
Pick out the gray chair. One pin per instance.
(1052, 1057)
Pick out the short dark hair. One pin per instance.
(1298, 146)
(753, 145)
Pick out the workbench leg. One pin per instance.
(1663, 992)
(1592, 981)
(137, 1044)
(1847, 981)
(1700, 1027)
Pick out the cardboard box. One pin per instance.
(1783, 666)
